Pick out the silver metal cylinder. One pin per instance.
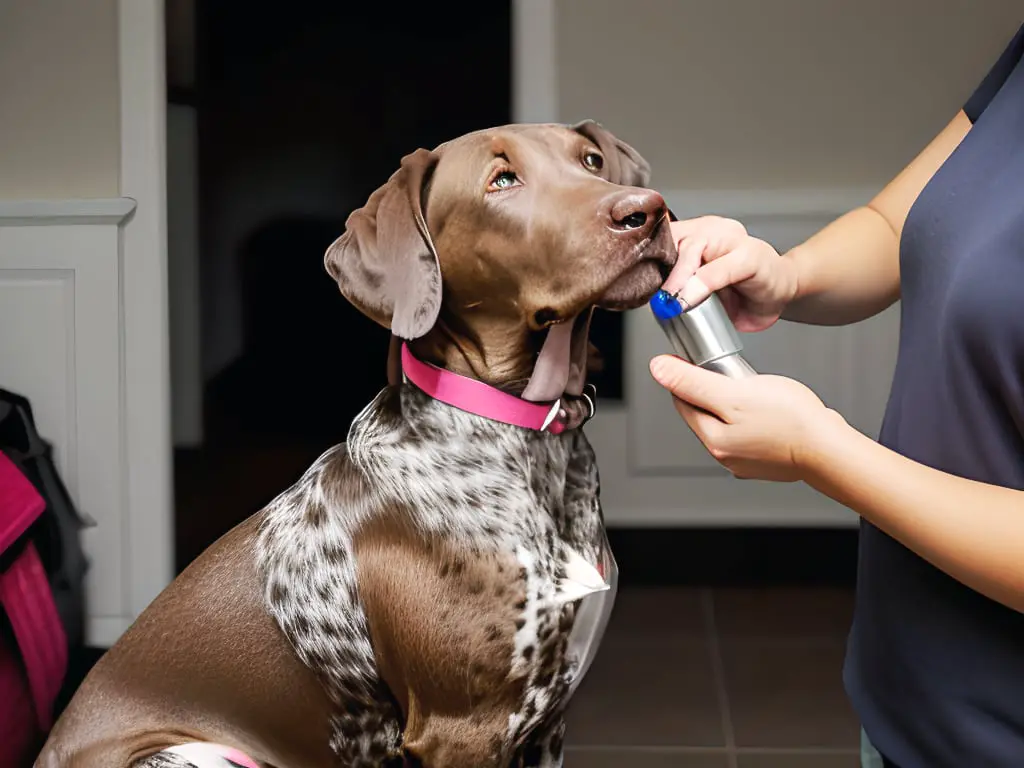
(704, 335)
(734, 366)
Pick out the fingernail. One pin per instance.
(676, 279)
(695, 292)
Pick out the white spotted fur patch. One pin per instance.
(529, 493)
(198, 755)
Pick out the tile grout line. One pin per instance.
(718, 668)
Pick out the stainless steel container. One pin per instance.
(703, 335)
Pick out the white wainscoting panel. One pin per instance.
(61, 346)
(655, 472)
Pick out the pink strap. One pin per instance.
(482, 399)
(19, 731)
(20, 503)
(26, 597)
(25, 594)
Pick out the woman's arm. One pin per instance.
(774, 428)
(970, 530)
(850, 270)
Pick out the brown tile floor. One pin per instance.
(718, 678)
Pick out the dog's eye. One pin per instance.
(503, 180)
(593, 161)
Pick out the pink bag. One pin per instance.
(33, 645)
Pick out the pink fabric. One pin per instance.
(20, 504)
(204, 754)
(240, 758)
(19, 732)
(26, 598)
(476, 397)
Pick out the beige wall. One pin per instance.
(59, 119)
(756, 94)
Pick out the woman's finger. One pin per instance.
(691, 252)
(707, 225)
(734, 267)
(685, 228)
(705, 427)
(700, 421)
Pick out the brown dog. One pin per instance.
(426, 593)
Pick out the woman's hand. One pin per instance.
(760, 428)
(715, 254)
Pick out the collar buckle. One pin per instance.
(590, 395)
(553, 414)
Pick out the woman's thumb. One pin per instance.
(675, 375)
(664, 370)
(689, 383)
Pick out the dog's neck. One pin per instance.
(505, 353)
(509, 362)
(475, 397)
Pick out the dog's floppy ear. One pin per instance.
(385, 262)
(622, 164)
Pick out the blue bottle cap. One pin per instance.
(665, 306)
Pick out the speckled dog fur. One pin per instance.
(505, 489)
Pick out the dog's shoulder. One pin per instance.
(307, 570)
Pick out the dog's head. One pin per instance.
(481, 250)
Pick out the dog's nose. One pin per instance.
(635, 209)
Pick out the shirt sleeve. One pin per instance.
(995, 78)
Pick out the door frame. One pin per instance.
(146, 430)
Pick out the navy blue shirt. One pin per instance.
(934, 669)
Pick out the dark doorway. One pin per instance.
(303, 109)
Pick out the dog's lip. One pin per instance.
(560, 320)
(666, 257)
(655, 251)
(647, 252)
(636, 268)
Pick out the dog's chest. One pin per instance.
(560, 628)
(457, 479)
(569, 578)
(591, 620)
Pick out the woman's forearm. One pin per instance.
(970, 530)
(847, 272)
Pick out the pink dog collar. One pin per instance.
(482, 399)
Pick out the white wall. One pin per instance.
(83, 253)
(748, 94)
(59, 99)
